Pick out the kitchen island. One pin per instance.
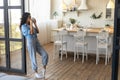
(90, 38)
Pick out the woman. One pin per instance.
(33, 45)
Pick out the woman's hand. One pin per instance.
(31, 27)
(31, 23)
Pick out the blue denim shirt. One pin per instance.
(25, 29)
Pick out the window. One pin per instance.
(1, 2)
(14, 2)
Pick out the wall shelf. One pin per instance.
(77, 12)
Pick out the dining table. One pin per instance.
(91, 39)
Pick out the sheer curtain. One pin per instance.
(40, 9)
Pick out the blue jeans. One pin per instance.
(34, 46)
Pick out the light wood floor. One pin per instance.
(69, 70)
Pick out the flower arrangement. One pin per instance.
(72, 21)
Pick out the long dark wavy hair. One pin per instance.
(24, 18)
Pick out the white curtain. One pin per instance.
(40, 9)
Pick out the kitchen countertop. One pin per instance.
(89, 30)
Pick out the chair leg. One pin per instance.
(86, 53)
(66, 52)
(109, 56)
(83, 55)
(54, 52)
(77, 53)
(97, 57)
(61, 55)
(61, 52)
(106, 58)
(74, 56)
(86, 56)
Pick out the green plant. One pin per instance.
(55, 13)
(107, 25)
(72, 21)
(96, 17)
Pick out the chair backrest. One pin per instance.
(103, 34)
(80, 36)
(102, 37)
(61, 35)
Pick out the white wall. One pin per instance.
(56, 5)
(95, 6)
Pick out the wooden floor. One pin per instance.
(69, 70)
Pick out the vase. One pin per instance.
(71, 26)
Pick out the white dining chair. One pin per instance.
(103, 46)
(60, 43)
(80, 44)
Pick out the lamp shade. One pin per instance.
(110, 4)
(83, 5)
(64, 7)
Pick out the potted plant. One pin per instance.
(107, 25)
(55, 14)
(72, 21)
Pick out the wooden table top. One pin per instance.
(89, 30)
